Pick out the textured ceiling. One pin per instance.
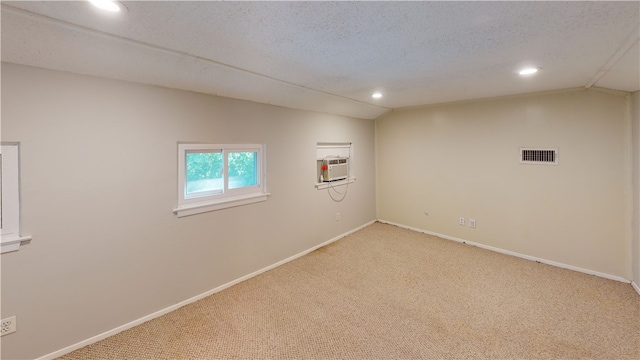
(331, 56)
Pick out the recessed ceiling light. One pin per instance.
(376, 95)
(528, 71)
(107, 5)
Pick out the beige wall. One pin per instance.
(635, 120)
(99, 182)
(462, 160)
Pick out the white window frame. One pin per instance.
(10, 194)
(217, 200)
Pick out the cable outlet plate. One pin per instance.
(472, 223)
(8, 325)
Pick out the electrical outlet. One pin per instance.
(337, 216)
(8, 325)
(472, 223)
(461, 221)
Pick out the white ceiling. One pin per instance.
(331, 56)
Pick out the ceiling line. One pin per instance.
(175, 52)
(507, 96)
(629, 42)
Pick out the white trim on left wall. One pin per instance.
(171, 308)
(636, 287)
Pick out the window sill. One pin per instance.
(12, 243)
(219, 204)
(325, 185)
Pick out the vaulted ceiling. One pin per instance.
(331, 56)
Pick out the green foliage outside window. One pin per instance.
(204, 166)
(242, 169)
(205, 170)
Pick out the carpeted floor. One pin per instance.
(389, 293)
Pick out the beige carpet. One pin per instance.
(389, 293)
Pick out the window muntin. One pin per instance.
(214, 174)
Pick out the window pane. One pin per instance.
(243, 168)
(204, 172)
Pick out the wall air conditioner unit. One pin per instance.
(335, 169)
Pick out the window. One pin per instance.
(10, 195)
(326, 151)
(213, 177)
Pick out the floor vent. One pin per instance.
(538, 156)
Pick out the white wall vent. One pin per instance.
(538, 156)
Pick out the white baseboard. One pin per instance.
(507, 252)
(171, 308)
(636, 287)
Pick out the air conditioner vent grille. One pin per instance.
(539, 156)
